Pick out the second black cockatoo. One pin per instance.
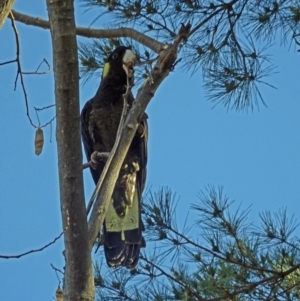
(122, 228)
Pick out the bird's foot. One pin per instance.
(143, 117)
(141, 129)
(97, 157)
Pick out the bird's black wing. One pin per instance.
(88, 143)
(138, 242)
(143, 150)
(123, 235)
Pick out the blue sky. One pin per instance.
(255, 156)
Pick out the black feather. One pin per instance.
(99, 124)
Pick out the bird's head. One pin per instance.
(120, 64)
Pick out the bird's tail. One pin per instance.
(123, 234)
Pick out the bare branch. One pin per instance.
(96, 33)
(19, 71)
(37, 110)
(37, 72)
(34, 250)
(44, 108)
(42, 248)
(56, 270)
(226, 6)
(8, 62)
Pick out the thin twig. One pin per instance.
(44, 108)
(50, 132)
(223, 7)
(86, 165)
(171, 278)
(56, 269)
(20, 74)
(37, 115)
(40, 249)
(8, 62)
(19, 71)
(34, 250)
(49, 122)
(147, 62)
(36, 72)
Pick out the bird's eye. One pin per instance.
(115, 56)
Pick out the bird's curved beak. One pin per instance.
(129, 59)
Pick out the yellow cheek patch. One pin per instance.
(105, 69)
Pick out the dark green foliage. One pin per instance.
(219, 255)
(223, 258)
(223, 40)
(92, 57)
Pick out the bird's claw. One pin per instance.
(97, 157)
(94, 160)
(141, 128)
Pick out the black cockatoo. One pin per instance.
(122, 228)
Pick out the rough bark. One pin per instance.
(79, 281)
(5, 8)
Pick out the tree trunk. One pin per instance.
(5, 8)
(79, 280)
